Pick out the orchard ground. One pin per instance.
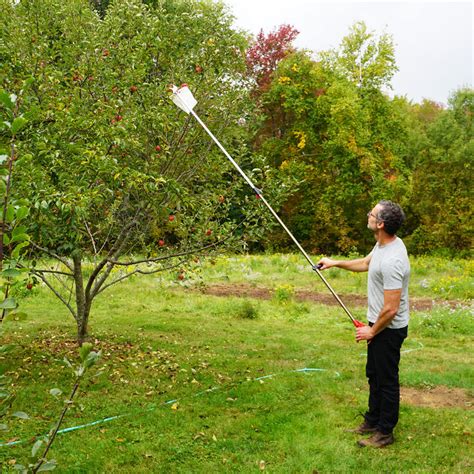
(187, 362)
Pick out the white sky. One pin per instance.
(433, 39)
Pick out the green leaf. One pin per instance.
(11, 273)
(36, 447)
(85, 350)
(48, 466)
(20, 467)
(92, 358)
(3, 427)
(80, 371)
(18, 124)
(20, 238)
(21, 213)
(8, 303)
(55, 392)
(21, 414)
(21, 229)
(6, 99)
(29, 81)
(17, 249)
(3, 158)
(10, 213)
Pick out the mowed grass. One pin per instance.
(186, 369)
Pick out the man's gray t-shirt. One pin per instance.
(389, 269)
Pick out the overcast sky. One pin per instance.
(433, 39)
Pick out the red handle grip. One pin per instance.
(358, 324)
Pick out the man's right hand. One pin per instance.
(326, 263)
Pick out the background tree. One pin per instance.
(364, 58)
(442, 179)
(341, 136)
(266, 52)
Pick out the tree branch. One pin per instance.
(92, 237)
(55, 272)
(116, 252)
(121, 238)
(142, 272)
(52, 254)
(51, 287)
(106, 240)
(167, 257)
(181, 254)
(52, 435)
(180, 139)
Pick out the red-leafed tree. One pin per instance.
(267, 51)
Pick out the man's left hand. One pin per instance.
(364, 333)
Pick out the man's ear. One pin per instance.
(380, 224)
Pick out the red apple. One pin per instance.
(118, 118)
(161, 242)
(158, 148)
(133, 89)
(208, 232)
(171, 218)
(221, 199)
(181, 276)
(29, 285)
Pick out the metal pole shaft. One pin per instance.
(275, 215)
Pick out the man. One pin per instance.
(388, 314)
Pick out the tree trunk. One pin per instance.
(82, 327)
(83, 307)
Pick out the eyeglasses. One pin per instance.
(370, 214)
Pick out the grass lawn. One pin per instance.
(189, 371)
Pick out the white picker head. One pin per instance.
(183, 98)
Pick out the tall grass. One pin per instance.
(431, 277)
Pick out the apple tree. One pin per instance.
(119, 180)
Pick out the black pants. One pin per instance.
(383, 357)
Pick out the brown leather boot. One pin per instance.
(363, 428)
(377, 440)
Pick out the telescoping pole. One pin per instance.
(184, 99)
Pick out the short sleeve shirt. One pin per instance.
(389, 269)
